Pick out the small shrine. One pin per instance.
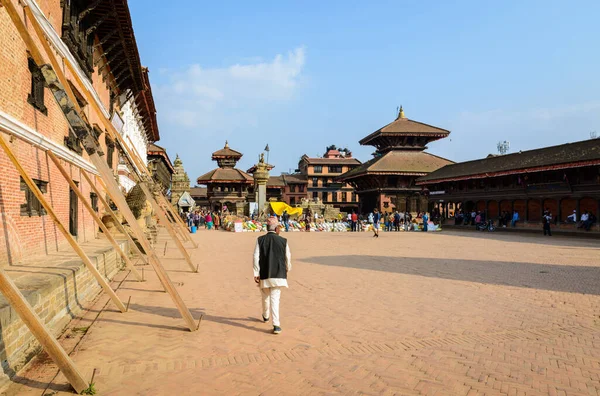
(180, 184)
(227, 186)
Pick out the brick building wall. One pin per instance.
(37, 234)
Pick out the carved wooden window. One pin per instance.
(36, 96)
(318, 169)
(94, 201)
(292, 188)
(77, 32)
(72, 142)
(335, 169)
(32, 206)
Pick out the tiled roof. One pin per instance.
(155, 149)
(557, 157)
(295, 179)
(226, 152)
(406, 127)
(332, 161)
(275, 181)
(224, 175)
(410, 162)
(198, 192)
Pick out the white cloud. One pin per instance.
(217, 100)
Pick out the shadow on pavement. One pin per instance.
(562, 278)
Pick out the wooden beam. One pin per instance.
(110, 183)
(18, 302)
(167, 224)
(22, 29)
(115, 194)
(113, 215)
(40, 196)
(92, 213)
(179, 220)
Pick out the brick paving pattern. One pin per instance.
(452, 313)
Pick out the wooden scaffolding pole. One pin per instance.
(92, 213)
(137, 162)
(182, 226)
(18, 302)
(117, 197)
(101, 166)
(167, 224)
(40, 196)
(113, 215)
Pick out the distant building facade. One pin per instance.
(322, 174)
(160, 166)
(564, 179)
(295, 188)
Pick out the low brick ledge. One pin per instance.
(57, 286)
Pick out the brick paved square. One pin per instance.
(454, 313)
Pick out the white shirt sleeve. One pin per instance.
(256, 259)
(288, 258)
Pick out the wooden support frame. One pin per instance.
(92, 213)
(50, 210)
(117, 197)
(113, 215)
(137, 162)
(40, 331)
(102, 167)
(178, 220)
(167, 224)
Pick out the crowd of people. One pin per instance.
(202, 218)
(478, 218)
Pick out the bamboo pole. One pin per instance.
(112, 187)
(18, 302)
(163, 219)
(92, 212)
(113, 215)
(36, 191)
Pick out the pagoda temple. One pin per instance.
(227, 186)
(387, 182)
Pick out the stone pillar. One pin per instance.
(261, 176)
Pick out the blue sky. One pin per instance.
(303, 75)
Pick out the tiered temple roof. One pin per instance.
(227, 158)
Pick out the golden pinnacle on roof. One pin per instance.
(401, 113)
(226, 144)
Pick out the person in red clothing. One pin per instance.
(354, 219)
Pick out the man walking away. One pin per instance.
(272, 262)
(425, 220)
(376, 221)
(546, 220)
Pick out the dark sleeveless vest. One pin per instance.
(272, 256)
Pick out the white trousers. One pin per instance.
(270, 303)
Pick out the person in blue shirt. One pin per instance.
(376, 220)
(515, 218)
(425, 220)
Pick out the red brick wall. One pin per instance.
(20, 235)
